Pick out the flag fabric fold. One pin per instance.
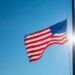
(37, 42)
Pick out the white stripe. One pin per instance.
(36, 47)
(36, 34)
(38, 52)
(31, 49)
(65, 39)
(59, 34)
(37, 43)
(35, 57)
(58, 38)
(41, 37)
(58, 41)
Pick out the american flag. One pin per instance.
(37, 42)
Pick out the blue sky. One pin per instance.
(21, 17)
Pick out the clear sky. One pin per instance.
(21, 17)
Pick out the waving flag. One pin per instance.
(37, 42)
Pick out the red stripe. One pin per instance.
(58, 39)
(34, 55)
(57, 42)
(39, 31)
(37, 45)
(36, 36)
(36, 50)
(31, 60)
(38, 40)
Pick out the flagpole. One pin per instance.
(73, 32)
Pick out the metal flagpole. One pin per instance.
(73, 32)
